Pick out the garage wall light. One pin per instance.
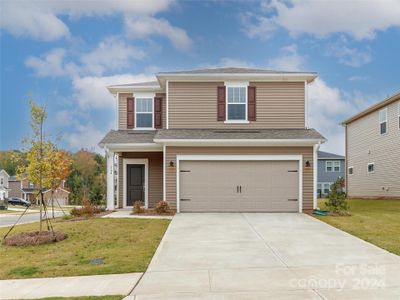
(308, 164)
(171, 163)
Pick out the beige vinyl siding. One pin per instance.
(155, 188)
(366, 145)
(306, 152)
(122, 109)
(278, 105)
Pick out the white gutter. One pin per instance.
(239, 142)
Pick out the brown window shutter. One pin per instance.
(221, 96)
(158, 112)
(251, 103)
(130, 110)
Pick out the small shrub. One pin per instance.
(162, 207)
(87, 210)
(337, 203)
(137, 207)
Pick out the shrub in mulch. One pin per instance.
(137, 207)
(162, 207)
(34, 238)
(87, 210)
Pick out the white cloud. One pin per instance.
(359, 19)
(84, 136)
(142, 27)
(256, 26)
(327, 106)
(91, 91)
(112, 54)
(51, 64)
(350, 56)
(288, 59)
(25, 18)
(41, 19)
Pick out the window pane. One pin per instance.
(383, 128)
(236, 112)
(236, 94)
(370, 168)
(144, 105)
(144, 120)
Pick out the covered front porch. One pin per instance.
(134, 169)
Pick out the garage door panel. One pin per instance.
(213, 186)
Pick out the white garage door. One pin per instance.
(239, 186)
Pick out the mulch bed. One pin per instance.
(34, 238)
(153, 212)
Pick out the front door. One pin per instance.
(135, 184)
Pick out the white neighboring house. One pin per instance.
(4, 184)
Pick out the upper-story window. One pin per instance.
(371, 168)
(1, 180)
(333, 166)
(144, 113)
(31, 185)
(236, 103)
(383, 120)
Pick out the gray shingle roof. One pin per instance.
(128, 137)
(146, 136)
(324, 155)
(229, 71)
(238, 134)
(141, 84)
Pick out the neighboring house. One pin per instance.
(330, 168)
(15, 186)
(227, 139)
(26, 190)
(373, 151)
(60, 196)
(4, 185)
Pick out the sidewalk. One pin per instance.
(96, 285)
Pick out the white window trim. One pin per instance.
(398, 116)
(333, 166)
(136, 161)
(380, 122)
(233, 84)
(348, 173)
(298, 158)
(152, 114)
(369, 164)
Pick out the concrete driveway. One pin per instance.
(258, 256)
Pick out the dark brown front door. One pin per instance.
(135, 184)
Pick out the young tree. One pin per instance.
(59, 170)
(36, 165)
(337, 202)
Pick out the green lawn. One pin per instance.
(376, 221)
(125, 245)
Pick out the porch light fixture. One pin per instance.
(171, 163)
(308, 164)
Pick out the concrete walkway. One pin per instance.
(126, 213)
(97, 285)
(266, 256)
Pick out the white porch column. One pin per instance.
(110, 179)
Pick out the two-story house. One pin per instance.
(373, 151)
(330, 167)
(214, 140)
(4, 187)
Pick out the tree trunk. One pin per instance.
(41, 204)
(52, 203)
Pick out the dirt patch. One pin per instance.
(34, 238)
(153, 212)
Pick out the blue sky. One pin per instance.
(64, 53)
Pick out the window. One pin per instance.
(383, 121)
(1, 180)
(371, 168)
(31, 185)
(350, 170)
(237, 103)
(398, 113)
(144, 113)
(326, 188)
(333, 166)
(319, 190)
